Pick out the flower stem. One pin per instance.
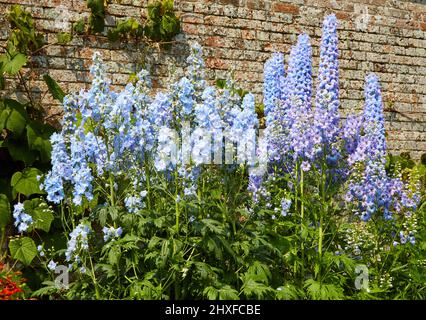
(111, 188)
(3, 237)
(148, 188)
(302, 211)
(95, 282)
(176, 202)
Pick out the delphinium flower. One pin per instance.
(243, 130)
(61, 169)
(40, 250)
(141, 130)
(206, 113)
(111, 233)
(195, 69)
(22, 220)
(79, 241)
(161, 111)
(229, 100)
(370, 186)
(52, 265)
(135, 202)
(285, 206)
(257, 188)
(97, 101)
(299, 73)
(189, 176)
(352, 133)
(273, 76)
(208, 124)
(96, 151)
(273, 92)
(298, 138)
(82, 174)
(69, 118)
(166, 155)
(327, 92)
(185, 94)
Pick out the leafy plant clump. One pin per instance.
(181, 194)
(25, 140)
(160, 27)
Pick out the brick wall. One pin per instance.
(384, 36)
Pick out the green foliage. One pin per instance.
(24, 144)
(162, 23)
(26, 182)
(97, 15)
(23, 249)
(24, 38)
(40, 212)
(64, 37)
(79, 26)
(54, 89)
(11, 64)
(126, 29)
(13, 116)
(4, 212)
(38, 135)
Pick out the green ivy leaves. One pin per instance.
(162, 24)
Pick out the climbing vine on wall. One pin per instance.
(24, 140)
(160, 26)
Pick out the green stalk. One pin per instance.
(323, 210)
(111, 189)
(95, 282)
(148, 188)
(302, 209)
(176, 202)
(3, 237)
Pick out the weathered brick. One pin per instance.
(241, 34)
(285, 7)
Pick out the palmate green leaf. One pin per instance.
(19, 151)
(255, 289)
(288, 292)
(38, 136)
(49, 289)
(23, 249)
(40, 212)
(26, 182)
(169, 25)
(114, 255)
(260, 272)
(213, 226)
(54, 88)
(224, 293)
(323, 291)
(5, 214)
(13, 116)
(12, 65)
